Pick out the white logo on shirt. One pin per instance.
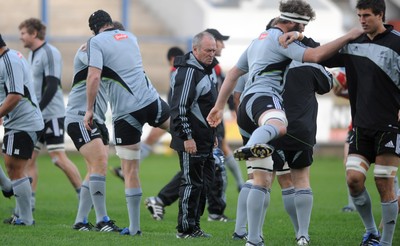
(389, 144)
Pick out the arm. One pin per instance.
(325, 51)
(92, 87)
(182, 97)
(14, 77)
(215, 115)
(322, 52)
(49, 92)
(9, 104)
(341, 92)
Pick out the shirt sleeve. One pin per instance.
(294, 51)
(95, 56)
(14, 78)
(241, 83)
(243, 63)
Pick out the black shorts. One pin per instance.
(295, 159)
(81, 136)
(250, 110)
(52, 135)
(371, 143)
(19, 143)
(128, 128)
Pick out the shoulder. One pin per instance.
(48, 52)
(51, 48)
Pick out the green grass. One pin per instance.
(57, 203)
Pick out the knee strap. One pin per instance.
(249, 167)
(381, 171)
(273, 114)
(264, 164)
(127, 154)
(285, 170)
(357, 164)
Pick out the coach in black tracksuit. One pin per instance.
(193, 94)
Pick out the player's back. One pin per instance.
(267, 62)
(76, 106)
(117, 53)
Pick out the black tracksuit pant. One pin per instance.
(196, 179)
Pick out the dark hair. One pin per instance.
(32, 25)
(377, 6)
(272, 23)
(296, 6)
(118, 25)
(2, 43)
(174, 51)
(99, 19)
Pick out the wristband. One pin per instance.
(297, 35)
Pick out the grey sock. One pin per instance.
(85, 203)
(264, 212)
(389, 218)
(97, 187)
(233, 166)
(288, 202)
(133, 197)
(362, 202)
(255, 207)
(241, 211)
(22, 190)
(303, 201)
(263, 134)
(350, 199)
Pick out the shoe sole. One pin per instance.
(154, 215)
(257, 151)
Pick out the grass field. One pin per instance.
(57, 202)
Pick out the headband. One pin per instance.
(303, 19)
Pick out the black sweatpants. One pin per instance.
(197, 176)
(216, 198)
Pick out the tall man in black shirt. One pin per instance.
(372, 65)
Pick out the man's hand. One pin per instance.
(341, 92)
(355, 33)
(190, 146)
(88, 120)
(215, 117)
(288, 38)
